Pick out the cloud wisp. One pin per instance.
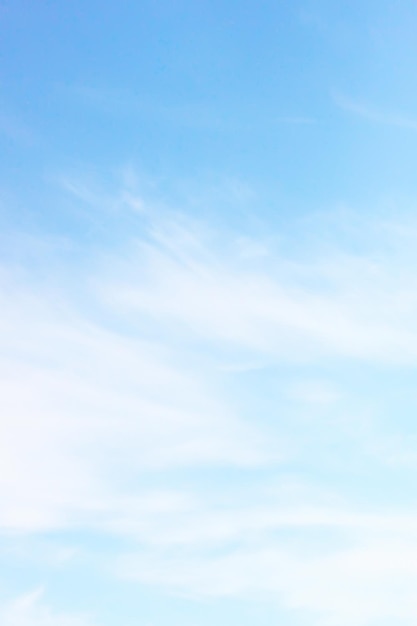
(374, 114)
(128, 384)
(30, 610)
(356, 309)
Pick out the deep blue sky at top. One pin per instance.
(246, 90)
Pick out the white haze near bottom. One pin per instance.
(132, 366)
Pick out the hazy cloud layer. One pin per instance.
(114, 403)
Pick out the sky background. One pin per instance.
(208, 313)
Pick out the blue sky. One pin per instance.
(208, 311)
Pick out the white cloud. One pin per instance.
(128, 378)
(314, 392)
(340, 305)
(96, 392)
(375, 115)
(342, 568)
(85, 408)
(29, 610)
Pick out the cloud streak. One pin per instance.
(29, 610)
(374, 114)
(133, 392)
(357, 310)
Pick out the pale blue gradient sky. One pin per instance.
(208, 313)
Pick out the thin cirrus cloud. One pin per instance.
(30, 609)
(354, 584)
(374, 114)
(75, 394)
(357, 308)
(102, 391)
(196, 114)
(208, 315)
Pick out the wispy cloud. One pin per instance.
(128, 379)
(30, 610)
(75, 393)
(374, 114)
(339, 564)
(90, 396)
(358, 583)
(356, 310)
(198, 114)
